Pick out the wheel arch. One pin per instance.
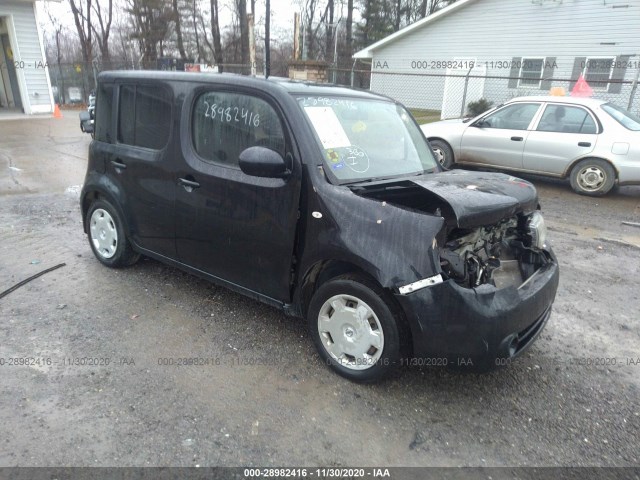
(325, 270)
(569, 169)
(91, 195)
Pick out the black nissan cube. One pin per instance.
(326, 203)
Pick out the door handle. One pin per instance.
(118, 164)
(584, 144)
(188, 185)
(517, 139)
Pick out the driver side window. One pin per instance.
(224, 124)
(512, 117)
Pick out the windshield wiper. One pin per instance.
(382, 179)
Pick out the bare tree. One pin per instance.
(81, 10)
(102, 36)
(58, 29)
(178, 23)
(215, 33)
(241, 10)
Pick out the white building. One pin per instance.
(24, 75)
(516, 47)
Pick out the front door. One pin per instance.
(499, 138)
(236, 227)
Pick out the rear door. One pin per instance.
(499, 138)
(234, 226)
(140, 163)
(563, 133)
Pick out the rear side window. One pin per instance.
(144, 118)
(104, 110)
(565, 119)
(224, 124)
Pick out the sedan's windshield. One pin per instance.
(623, 117)
(367, 139)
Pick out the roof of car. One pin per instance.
(593, 102)
(272, 83)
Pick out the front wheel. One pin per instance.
(593, 177)
(107, 237)
(443, 153)
(356, 328)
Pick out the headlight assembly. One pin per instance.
(537, 230)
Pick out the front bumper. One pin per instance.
(479, 329)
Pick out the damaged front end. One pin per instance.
(503, 254)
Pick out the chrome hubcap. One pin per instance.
(350, 332)
(439, 154)
(591, 178)
(104, 235)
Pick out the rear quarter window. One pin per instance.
(144, 118)
(104, 112)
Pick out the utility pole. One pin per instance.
(267, 49)
(252, 44)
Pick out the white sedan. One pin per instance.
(594, 143)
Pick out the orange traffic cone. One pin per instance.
(56, 112)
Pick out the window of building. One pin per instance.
(531, 72)
(224, 124)
(144, 118)
(597, 72)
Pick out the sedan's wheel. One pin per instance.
(356, 328)
(443, 153)
(107, 237)
(593, 177)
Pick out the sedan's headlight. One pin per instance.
(537, 230)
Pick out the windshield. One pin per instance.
(367, 139)
(624, 118)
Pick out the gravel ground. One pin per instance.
(265, 398)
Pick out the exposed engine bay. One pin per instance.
(501, 255)
(488, 237)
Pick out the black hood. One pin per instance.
(466, 199)
(480, 198)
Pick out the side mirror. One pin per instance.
(262, 162)
(86, 123)
(480, 123)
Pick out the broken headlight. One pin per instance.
(537, 230)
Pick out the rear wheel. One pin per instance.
(356, 328)
(593, 177)
(443, 152)
(107, 237)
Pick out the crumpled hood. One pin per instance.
(480, 198)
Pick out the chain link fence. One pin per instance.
(436, 96)
(430, 96)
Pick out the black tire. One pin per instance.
(592, 177)
(82, 127)
(114, 254)
(442, 152)
(395, 334)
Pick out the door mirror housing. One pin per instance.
(263, 162)
(480, 123)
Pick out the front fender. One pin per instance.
(392, 244)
